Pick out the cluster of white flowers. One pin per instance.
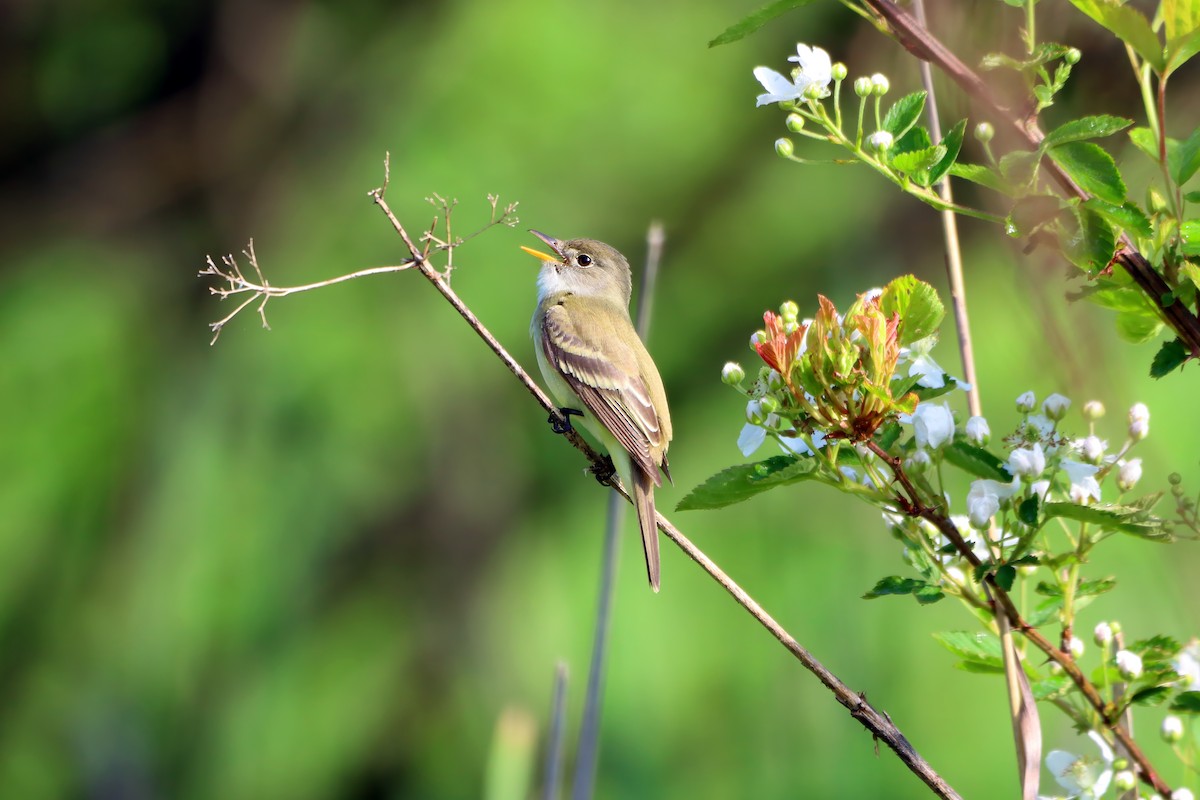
(809, 80)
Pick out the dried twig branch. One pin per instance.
(917, 39)
(877, 722)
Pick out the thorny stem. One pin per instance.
(922, 44)
(877, 722)
(912, 504)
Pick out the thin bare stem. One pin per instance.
(587, 755)
(878, 723)
(554, 748)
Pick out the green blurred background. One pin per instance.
(323, 560)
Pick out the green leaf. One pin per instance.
(886, 436)
(1143, 139)
(1051, 688)
(1192, 197)
(762, 16)
(977, 173)
(1027, 512)
(1085, 588)
(1019, 166)
(1180, 17)
(981, 648)
(1127, 217)
(1005, 576)
(928, 594)
(1187, 159)
(1086, 128)
(1181, 50)
(920, 309)
(1092, 168)
(1129, 25)
(1088, 240)
(1138, 327)
(892, 585)
(1032, 212)
(1157, 648)
(904, 114)
(1169, 357)
(931, 392)
(743, 481)
(1189, 237)
(952, 142)
(1112, 517)
(1046, 611)
(918, 161)
(975, 460)
(1150, 695)
(1186, 703)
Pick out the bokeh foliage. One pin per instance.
(320, 561)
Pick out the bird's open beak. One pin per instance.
(554, 245)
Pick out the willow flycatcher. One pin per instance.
(590, 355)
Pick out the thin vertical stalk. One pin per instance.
(554, 748)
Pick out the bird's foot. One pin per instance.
(603, 471)
(563, 425)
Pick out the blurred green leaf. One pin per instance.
(1092, 168)
(1138, 327)
(920, 309)
(1086, 128)
(1089, 240)
(1180, 17)
(952, 142)
(1189, 236)
(980, 648)
(1169, 358)
(894, 585)
(1112, 517)
(1032, 212)
(1127, 217)
(1085, 588)
(978, 173)
(1129, 25)
(917, 161)
(976, 460)
(748, 25)
(903, 115)
(743, 481)
(1027, 512)
(1187, 159)
(1186, 703)
(1150, 695)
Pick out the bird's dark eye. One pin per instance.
(584, 259)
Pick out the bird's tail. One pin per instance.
(643, 499)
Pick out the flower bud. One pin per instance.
(1055, 406)
(977, 431)
(774, 381)
(769, 404)
(1129, 664)
(1075, 647)
(795, 123)
(1124, 780)
(1072, 56)
(814, 91)
(1172, 729)
(862, 87)
(789, 310)
(1093, 410)
(1155, 202)
(838, 71)
(1026, 402)
(733, 374)
(1139, 422)
(984, 132)
(1102, 634)
(879, 84)
(754, 413)
(1092, 449)
(918, 461)
(1129, 473)
(880, 141)
(1183, 793)
(784, 147)
(757, 338)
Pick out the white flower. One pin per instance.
(1055, 406)
(1128, 473)
(1139, 422)
(1187, 665)
(1129, 664)
(921, 363)
(918, 461)
(1083, 775)
(755, 413)
(880, 140)
(1084, 486)
(1182, 794)
(1172, 729)
(797, 445)
(978, 431)
(1102, 634)
(1026, 402)
(1027, 463)
(1092, 448)
(1124, 780)
(1040, 488)
(779, 88)
(983, 499)
(933, 425)
(816, 69)
(1075, 647)
(751, 438)
(1093, 410)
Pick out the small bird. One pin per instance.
(590, 355)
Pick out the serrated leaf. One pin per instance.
(918, 161)
(1187, 158)
(1169, 358)
(894, 585)
(743, 481)
(1186, 703)
(1137, 328)
(952, 142)
(748, 25)
(1050, 688)
(1085, 588)
(1086, 128)
(982, 648)
(1150, 695)
(1129, 25)
(1157, 648)
(1088, 240)
(1027, 512)
(978, 173)
(976, 460)
(1112, 517)
(1189, 237)
(1005, 576)
(1090, 166)
(1127, 217)
(928, 594)
(904, 114)
(920, 309)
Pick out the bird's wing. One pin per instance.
(607, 377)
